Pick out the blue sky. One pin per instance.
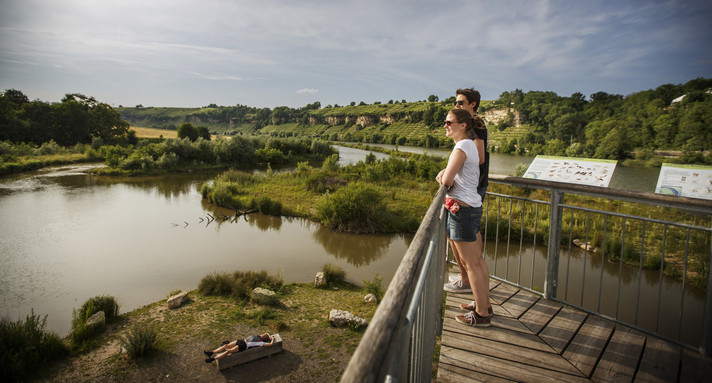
(290, 53)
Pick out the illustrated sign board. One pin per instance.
(584, 171)
(693, 181)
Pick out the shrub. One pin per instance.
(320, 183)
(50, 147)
(270, 155)
(238, 284)
(267, 206)
(358, 208)
(615, 247)
(139, 340)
(331, 163)
(105, 303)
(216, 284)
(80, 332)
(25, 347)
(374, 287)
(520, 169)
(333, 273)
(238, 177)
(303, 167)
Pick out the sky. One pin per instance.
(269, 53)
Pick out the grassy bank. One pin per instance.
(313, 350)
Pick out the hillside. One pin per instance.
(609, 126)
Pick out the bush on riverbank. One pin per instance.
(139, 340)
(333, 274)
(17, 158)
(357, 208)
(81, 333)
(177, 154)
(238, 284)
(26, 347)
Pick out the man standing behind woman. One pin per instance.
(469, 99)
(464, 204)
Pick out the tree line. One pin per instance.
(612, 126)
(76, 119)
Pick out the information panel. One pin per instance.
(584, 171)
(693, 181)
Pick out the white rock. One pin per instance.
(263, 296)
(319, 279)
(97, 320)
(341, 318)
(177, 300)
(370, 298)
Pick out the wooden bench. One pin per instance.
(250, 354)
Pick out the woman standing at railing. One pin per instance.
(464, 206)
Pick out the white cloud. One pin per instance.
(348, 50)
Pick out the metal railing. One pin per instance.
(399, 342)
(633, 269)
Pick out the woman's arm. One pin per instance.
(454, 163)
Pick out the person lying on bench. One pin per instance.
(227, 348)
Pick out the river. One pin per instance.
(624, 177)
(68, 235)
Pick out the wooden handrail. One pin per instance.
(369, 361)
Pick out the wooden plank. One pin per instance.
(485, 364)
(588, 344)
(519, 303)
(448, 373)
(512, 351)
(559, 332)
(502, 292)
(620, 359)
(660, 361)
(496, 333)
(694, 367)
(249, 355)
(540, 314)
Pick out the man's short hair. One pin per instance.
(472, 96)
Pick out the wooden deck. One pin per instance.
(535, 340)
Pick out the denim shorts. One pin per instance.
(465, 224)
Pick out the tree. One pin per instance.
(16, 97)
(39, 120)
(106, 122)
(72, 120)
(187, 129)
(433, 98)
(204, 133)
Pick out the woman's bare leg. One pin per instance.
(478, 273)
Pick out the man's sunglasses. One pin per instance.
(459, 103)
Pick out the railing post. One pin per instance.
(706, 347)
(552, 261)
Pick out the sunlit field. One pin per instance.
(154, 133)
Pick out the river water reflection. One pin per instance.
(68, 236)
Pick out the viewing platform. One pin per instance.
(533, 339)
(560, 315)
